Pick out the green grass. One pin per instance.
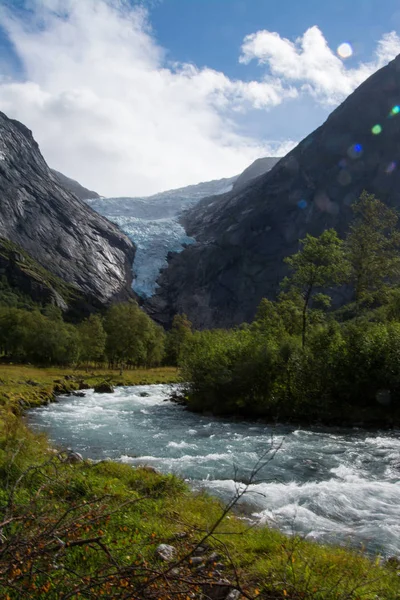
(130, 511)
(32, 386)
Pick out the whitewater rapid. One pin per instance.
(339, 486)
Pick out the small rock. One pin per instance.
(166, 552)
(73, 458)
(144, 394)
(195, 561)
(217, 592)
(233, 595)
(33, 383)
(200, 550)
(150, 469)
(180, 535)
(214, 557)
(79, 394)
(104, 388)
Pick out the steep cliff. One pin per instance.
(74, 187)
(243, 236)
(56, 229)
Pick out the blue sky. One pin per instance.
(209, 32)
(134, 97)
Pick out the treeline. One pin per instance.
(124, 337)
(302, 360)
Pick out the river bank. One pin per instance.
(129, 512)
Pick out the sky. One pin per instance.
(133, 97)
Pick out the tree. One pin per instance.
(372, 247)
(179, 334)
(132, 337)
(319, 264)
(93, 339)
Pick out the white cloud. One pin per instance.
(108, 110)
(312, 65)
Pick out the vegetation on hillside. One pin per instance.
(300, 359)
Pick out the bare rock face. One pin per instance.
(74, 187)
(256, 169)
(54, 227)
(243, 236)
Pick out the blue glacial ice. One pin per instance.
(152, 223)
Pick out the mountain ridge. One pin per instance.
(242, 240)
(54, 227)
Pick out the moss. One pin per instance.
(21, 260)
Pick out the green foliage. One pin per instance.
(132, 337)
(372, 248)
(179, 334)
(92, 339)
(321, 263)
(299, 360)
(128, 337)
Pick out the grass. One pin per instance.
(90, 530)
(28, 386)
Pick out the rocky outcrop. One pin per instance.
(256, 169)
(243, 236)
(53, 227)
(74, 187)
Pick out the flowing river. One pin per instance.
(330, 485)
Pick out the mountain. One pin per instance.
(257, 168)
(153, 225)
(242, 239)
(50, 238)
(74, 187)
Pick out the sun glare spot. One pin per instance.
(377, 129)
(395, 110)
(391, 167)
(355, 151)
(302, 204)
(345, 50)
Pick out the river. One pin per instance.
(330, 485)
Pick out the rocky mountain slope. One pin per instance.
(74, 187)
(257, 168)
(152, 223)
(52, 227)
(243, 237)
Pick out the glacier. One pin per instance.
(152, 223)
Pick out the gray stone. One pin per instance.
(166, 552)
(233, 595)
(195, 561)
(73, 458)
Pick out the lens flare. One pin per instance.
(355, 151)
(345, 50)
(395, 110)
(377, 129)
(302, 204)
(391, 167)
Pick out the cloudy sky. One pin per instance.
(132, 97)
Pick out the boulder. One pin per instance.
(104, 387)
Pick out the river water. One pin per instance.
(339, 486)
